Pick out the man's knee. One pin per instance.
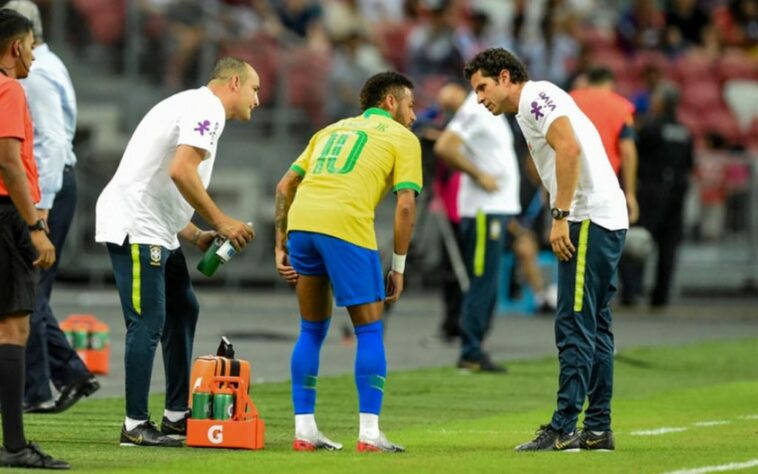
(14, 329)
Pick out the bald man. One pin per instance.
(160, 183)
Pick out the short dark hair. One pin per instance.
(599, 75)
(491, 61)
(228, 66)
(12, 27)
(379, 85)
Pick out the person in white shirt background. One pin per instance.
(52, 103)
(588, 231)
(160, 182)
(481, 146)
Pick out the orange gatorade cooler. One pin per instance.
(235, 421)
(90, 338)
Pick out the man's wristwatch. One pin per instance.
(39, 225)
(559, 214)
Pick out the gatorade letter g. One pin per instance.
(216, 434)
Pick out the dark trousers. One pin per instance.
(49, 356)
(661, 211)
(452, 296)
(159, 304)
(583, 332)
(483, 240)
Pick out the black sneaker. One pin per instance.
(598, 442)
(72, 393)
(483, 364)
(550, 439)
(31, 457)
(147, 434)
(175, 429)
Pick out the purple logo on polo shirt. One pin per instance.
(537, 110)
(203, 127)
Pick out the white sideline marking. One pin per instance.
(723, 467)
(656, 432)
(749, 417)
(712, 423)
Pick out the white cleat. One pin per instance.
(314, 443)
(378, 444)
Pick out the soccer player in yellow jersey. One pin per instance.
(325, 242)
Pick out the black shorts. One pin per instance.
(18, 276)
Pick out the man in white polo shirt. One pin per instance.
(481, 145)
(160, 182)
(589, 226)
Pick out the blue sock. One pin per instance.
(304, 365)
(370, 367)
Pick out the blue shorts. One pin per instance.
(355, 272)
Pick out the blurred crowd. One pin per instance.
(327, 48)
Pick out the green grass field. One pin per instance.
(453, 422)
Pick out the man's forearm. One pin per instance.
(566, 176)
(189, 185)
(285, 194)
(448, 148)
(629, 166)
(405, 218)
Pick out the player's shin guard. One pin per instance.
(304, 364)
(370, 367)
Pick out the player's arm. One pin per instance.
(285, 194)
(560, 136)
(448, 147)
(14, 176)
(629, 160)
(405, 218)
(197, 236)
(183, 172)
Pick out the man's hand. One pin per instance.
(204, 239)
(633, 208)
(283, 265)
(394, 286)
(45, 250)
(487, 182)
(239, 233)
(561, 241)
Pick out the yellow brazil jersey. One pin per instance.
(348, 167)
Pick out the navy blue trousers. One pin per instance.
(159, 304)
(482, 240)
(49, 356)
(583, 332)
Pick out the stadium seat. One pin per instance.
(701, 97)
(612, 59)
(307, 74)
(597, 39)
(693, 68)
(392, 38)
(722, 121)
(737, 66)
(263, 53)
(105, 18)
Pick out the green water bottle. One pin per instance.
(220, 251)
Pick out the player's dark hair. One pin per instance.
(491, 61)
(228, 66)
(12, 27)
(379, 85)
(599, 75)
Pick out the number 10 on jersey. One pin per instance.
(335, 148)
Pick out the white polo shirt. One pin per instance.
(488, 144)
(598, 195)
(141, 201)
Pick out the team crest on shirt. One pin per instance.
(202, 127)
(155, 255)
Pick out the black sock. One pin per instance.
(12, 364)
